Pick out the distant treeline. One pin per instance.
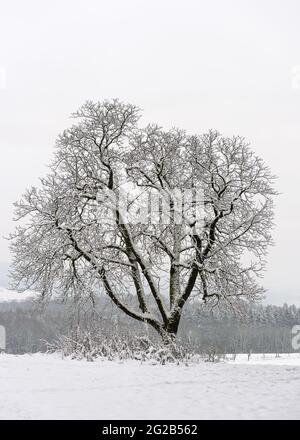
(255, 328)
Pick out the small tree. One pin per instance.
(69, 244)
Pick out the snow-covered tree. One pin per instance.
(69, 243)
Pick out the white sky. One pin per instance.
(197, 64)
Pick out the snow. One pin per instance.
(7, 295)
(45, 386)
(267, 359)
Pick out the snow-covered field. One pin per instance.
(7, 295)
(48, 387)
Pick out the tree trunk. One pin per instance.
(168, 332)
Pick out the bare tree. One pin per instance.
(66, 246)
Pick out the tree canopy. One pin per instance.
(69, 244)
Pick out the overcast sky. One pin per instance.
(229, 65)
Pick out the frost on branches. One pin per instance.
(69, 245)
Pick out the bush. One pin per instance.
(90, 345)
